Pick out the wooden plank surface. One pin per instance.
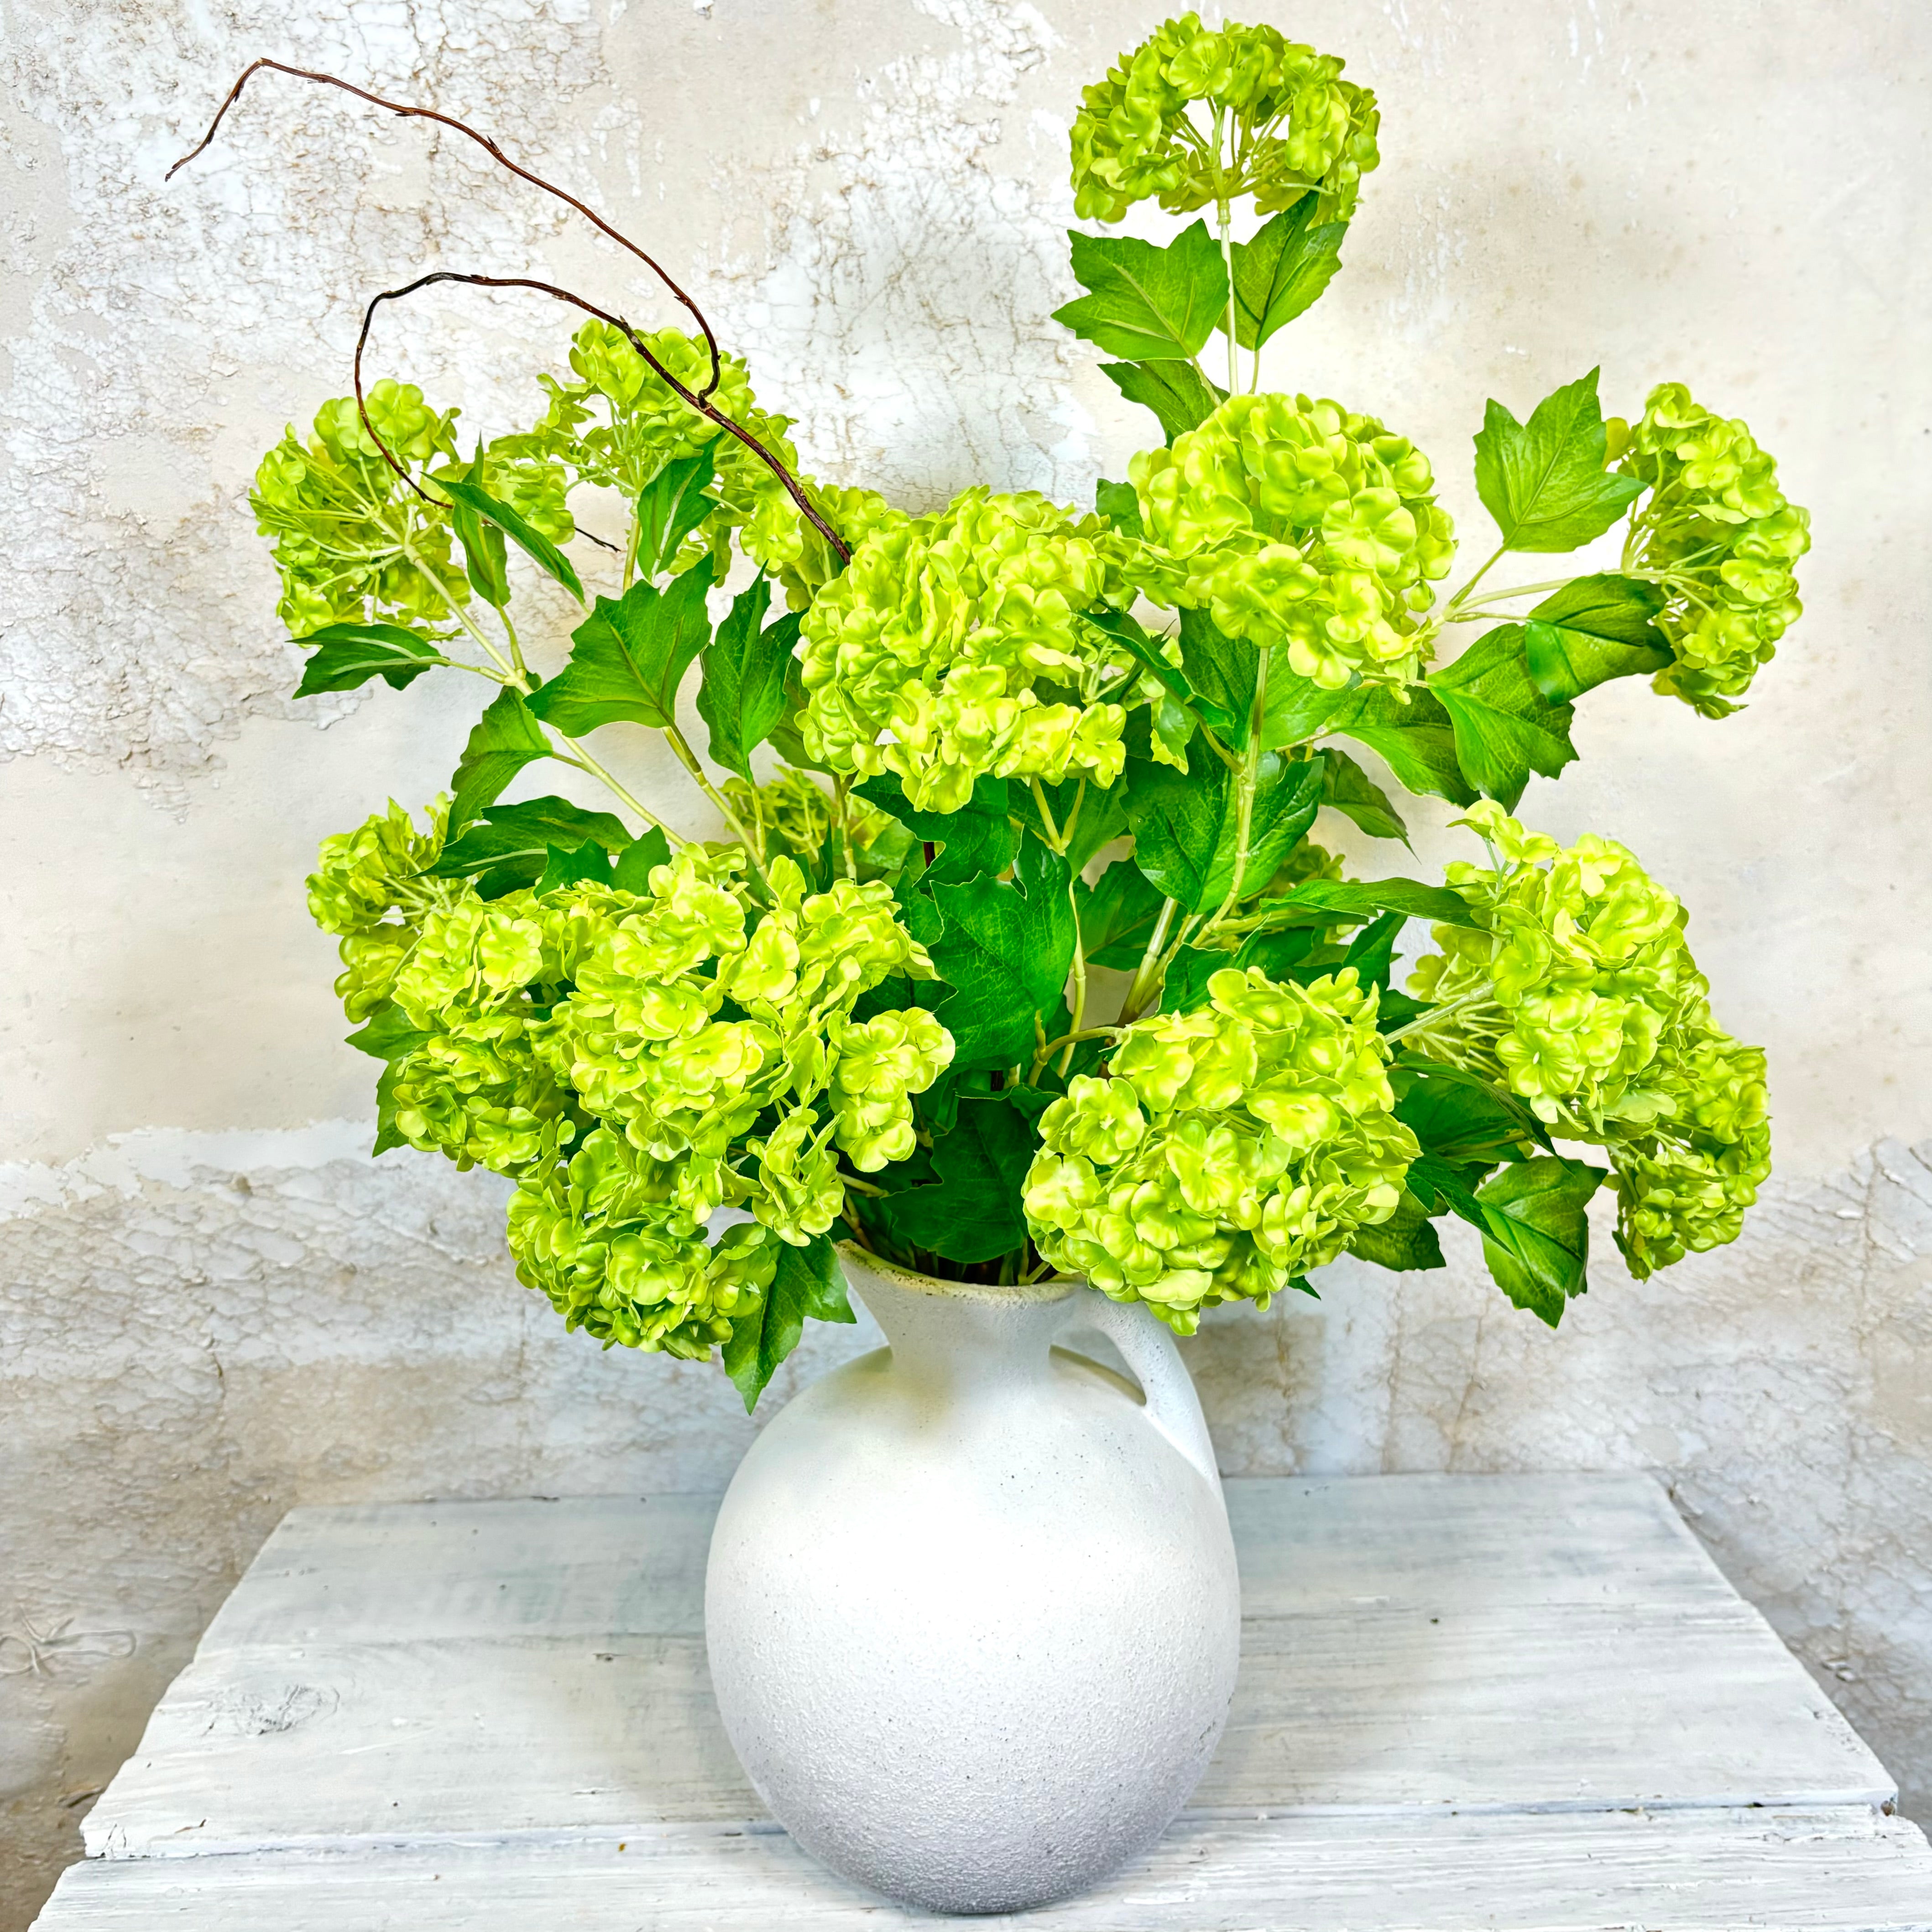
(1839, 1870)
(1515, 1643)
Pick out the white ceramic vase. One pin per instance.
(972, 1608)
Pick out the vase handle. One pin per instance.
(1148, 1348)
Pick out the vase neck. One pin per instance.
(958, 1336)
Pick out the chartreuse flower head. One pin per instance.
(351, 538)
(1575, 989)
(1726, 538)
(1233, 1148)
(370, 888)
(620, 423)
(1296, 125)
(638, 1060)
(955, 647)
(1288, 518)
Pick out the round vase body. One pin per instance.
(972, 1608)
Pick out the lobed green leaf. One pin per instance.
(1544, 481)
(1149, 304)
(629, 656)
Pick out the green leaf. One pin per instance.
(1187, 824)
(742, 693)
(1120, 504)
(389, 1033)
(1281, 272)
(1404, 1243)
(1006, 952)
(1119, 624)
(978, 838)
(589, 861)
(1180, 396)
(1544, 481)
(346, 655)
(511, 845)
(1372, 952)
(484, 559)
(1149, 304)
(505, 739)
(1415, 740)
(787, 737)
(671, 505)
(1537, 1235)
(1593, 630)
(1461, 1119)
(1349, 790)
(533, 543)
(808, 1286)
(1185, 985)
(973, 1213)
(1222, 671)
(388, 1135)
(1505, 728)
(637, 861)
(1280, 954)
(1367, 897)
(629, 656)
(1117, 914)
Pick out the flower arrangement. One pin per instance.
(1013, 954)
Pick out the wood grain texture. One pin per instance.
(1839, 1870)
(1513, 1643)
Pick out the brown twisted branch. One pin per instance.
(699, 399)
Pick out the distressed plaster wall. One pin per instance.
(212, 1307)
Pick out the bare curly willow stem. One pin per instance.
(699, 399)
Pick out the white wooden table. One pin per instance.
(1493, 1702)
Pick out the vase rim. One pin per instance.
(1058, 1289)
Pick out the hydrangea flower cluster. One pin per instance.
(1287, 518)
(1577, 991)
(370, 888)
(1297, 125)
(1232, 1149)
(637, 1061)
(620, 423)
(922, 659)
(349, 537)
(1726, 538)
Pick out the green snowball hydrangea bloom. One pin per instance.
(350, 538)
(605, 1240)
(1293, 520)
(1576, 990)
(1231, 1150)
(1297, 126)
(619, 423)
(956, 646)
(1727, 538)
(368, 889)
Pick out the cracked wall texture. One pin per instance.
(214, 1308)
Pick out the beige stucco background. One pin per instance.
(213, 1306)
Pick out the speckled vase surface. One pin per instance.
(972, 1608)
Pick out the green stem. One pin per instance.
(1244, 793)
(687, 757)
(1058, 839)
(1224, 215)
(1424, 1022)
(1141, 984)
(1070, 1041)
(842, 794)
(1461, 596)
(516, 649)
